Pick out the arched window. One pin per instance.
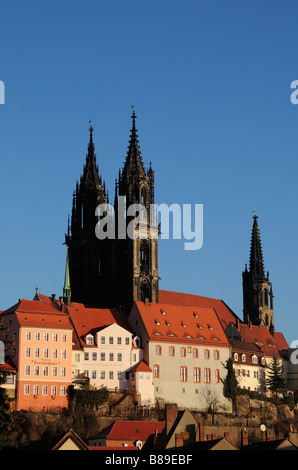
(265, 296)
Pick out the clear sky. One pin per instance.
(211, 84)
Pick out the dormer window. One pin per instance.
(89, 340)
(235, 357)
(254, 359)
(243, 357)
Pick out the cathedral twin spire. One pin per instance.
(109, 273)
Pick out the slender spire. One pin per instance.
(67, 288)
(133, 164)
(90, 174)
(256, 263)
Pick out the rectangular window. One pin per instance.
(216, 354)
(62, 390)
(28, 336)
(46, 336)
(36, 370)
(197, 375)
(94, 356)
(207, 376)
(44, 389)
(102, 340)
(35, 390)
(54, 353)
(45, 371)
(158, 350)
(55, 337)
(53, 391)
(63, 353)
(182, 352)
(93, 374)
(37, 336)
(207, 354)
(102, 356)
(111, 375)
(134, 357)
(63, 371)
(172, 351)
(26, 389)
(119, 340)
(156, 371)
(127, 340)
(119, 375)
(27, 370)
(111, 340)
(183, 374)
(54, 371)
(111, 356)
(86, 356)
(195, 353)
(119, 357)
(46, 353)
(102, 374)
(63, 338)
(77, 357)
(27, 352)
(36, 352)
(217, 376)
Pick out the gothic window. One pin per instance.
(265, 297)
(145, 291)
(145, 258)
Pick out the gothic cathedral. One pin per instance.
(115, 271)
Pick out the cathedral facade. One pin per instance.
(114, 271)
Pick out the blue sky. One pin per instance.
(211, 84)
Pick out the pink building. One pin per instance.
(41, 351)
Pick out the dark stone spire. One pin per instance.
(257, 289)
(133, 165)
(256, 262)
(91, 178)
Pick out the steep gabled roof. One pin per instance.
(225, 314)
(261, 336)
(89, 320)
(39, 313)
(130, 430)
(179, 323)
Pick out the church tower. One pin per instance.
(88, 260)
(136, 259)
(257, 290)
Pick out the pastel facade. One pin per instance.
(105, 347)
(186, 348)
(41, 351)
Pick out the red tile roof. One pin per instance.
(261, 336)
(225, 314)
(131, 430)
(179, 323)
(142, 366)
(38, 314)
(89, 320)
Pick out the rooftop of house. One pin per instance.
(121, 430)
(176, 323)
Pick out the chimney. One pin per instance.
(213, 437)
(53, 297)
(171, 413)
(181, 439)
(244, 438)
(227, 435)
(201, 432)
(146, 302)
